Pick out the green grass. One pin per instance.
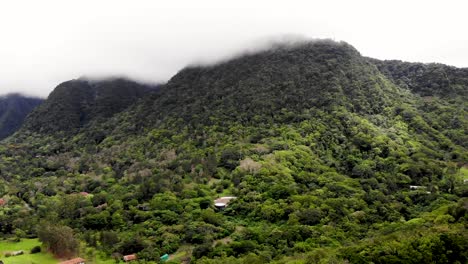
(464, 173)
(104, 261)
(39, 258)
(27, 258)
(183, 251)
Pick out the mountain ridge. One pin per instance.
(13, 110)
(75, 103)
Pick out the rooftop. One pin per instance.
(73, 261)
(223, 201)
(130, 257)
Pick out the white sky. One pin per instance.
(43, 43)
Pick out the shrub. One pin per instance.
(202, 250)
(36, 249)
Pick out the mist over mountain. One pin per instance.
(13, 110)
(52, 41)
(332, 157)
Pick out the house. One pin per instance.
(74, 261)
(128, 258)
(222, 202)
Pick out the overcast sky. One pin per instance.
(46, 42)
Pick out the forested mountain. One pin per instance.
(426, 79)
(75, 103)
(333, 158)
(13, 109)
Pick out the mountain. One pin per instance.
(13, 110)
(332, 157)
(320, 75)
(426, 79)
(75, 103)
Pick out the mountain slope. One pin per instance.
(75, 103)
(443, 90)
(320, 74)
(13, 110)
(426, 79)
(320, 146)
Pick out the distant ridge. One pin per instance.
(13, 110)
(75, 103)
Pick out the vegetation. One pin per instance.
(13, 110)
(77, 102)
(26, 245)
(59, 240)
(319, 145)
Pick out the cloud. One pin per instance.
(47, 42)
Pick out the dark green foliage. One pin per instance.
(58, 239)
(13, 110)
(425, 248)
(426, 79)
(131, 245)
(35, 250)
(75, 103)
(202, 250)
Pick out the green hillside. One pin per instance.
(75, 103)
(320, 146)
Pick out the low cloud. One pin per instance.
(48, 42)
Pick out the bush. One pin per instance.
(202, 250)
(36, 249)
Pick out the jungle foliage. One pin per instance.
(319, 144)
(13, 110)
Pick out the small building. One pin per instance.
(416, 187)
(74, 261)
(164, 258)
(128, 258)
(222, 202)
(2, 202)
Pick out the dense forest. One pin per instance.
(13, 110)
(333, 158)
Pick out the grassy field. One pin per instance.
(26, 245)
(39, 258)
